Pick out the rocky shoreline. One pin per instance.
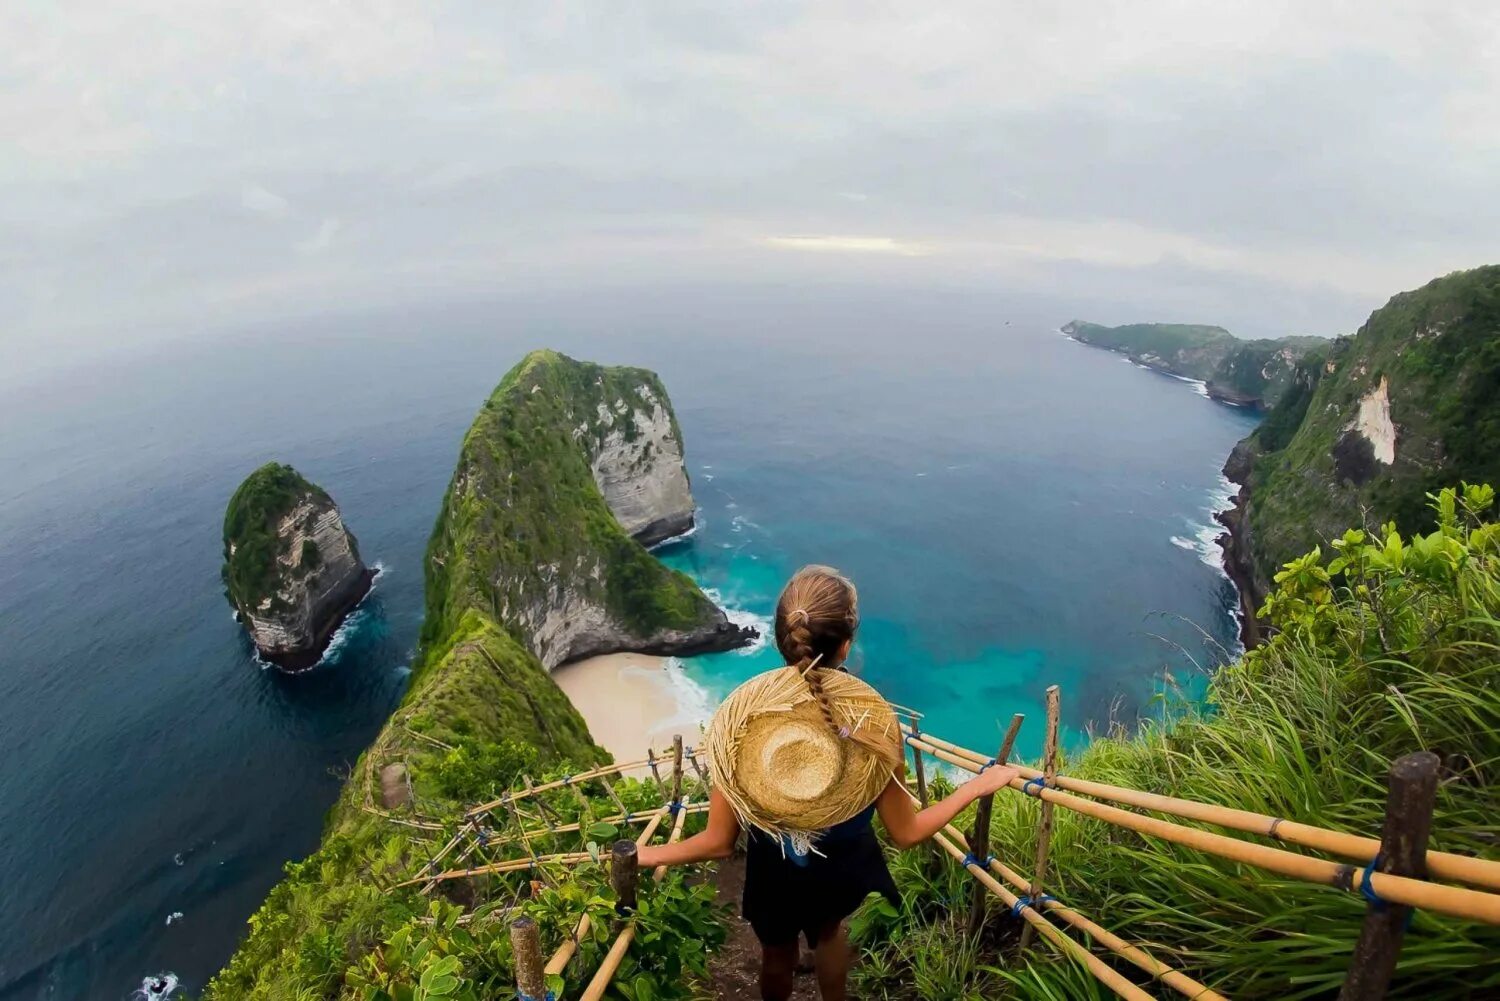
(1239, 559)
(299, 661)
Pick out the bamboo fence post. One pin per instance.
(564, 953)
(656, 772)
(1044, 830)
(979, 839)
(612, 959)
(1458, 901)
(677, 768)
(623, 875)
(531, 981)
(1403, 851)
(917, 766)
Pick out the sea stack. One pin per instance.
(291, 569)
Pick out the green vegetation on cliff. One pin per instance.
(251, 545)
(524, 519)
(1248, 373)
(1388, 647)
(1379, 421)
(521, 512)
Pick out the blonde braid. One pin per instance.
(798, 644)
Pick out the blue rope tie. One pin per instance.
(983, 863)
(910, 738)
(1377, 902)
(567, 780)
(987, 764)
(521, 996)
(674, 807)
(689, 751)
(1024, 902)
(1040, 780)
(629, 816)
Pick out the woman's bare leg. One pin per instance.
(777, 964)
(831, 960)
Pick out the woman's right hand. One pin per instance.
(993, 779)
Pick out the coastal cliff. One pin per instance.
(1242, 373)
(535, 559)
(291, 570)
(1368, 427)
(568, 469)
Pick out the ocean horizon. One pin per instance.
(1017, 509)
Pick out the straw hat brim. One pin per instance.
(783, 769)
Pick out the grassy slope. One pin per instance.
(522, 496)
(250, 521)
(1304, 727)
(1440, 348)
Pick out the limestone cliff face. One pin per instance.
(1368, 427)
(568, 470)
(292, 570)
(638, 467)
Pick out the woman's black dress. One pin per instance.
(787, 894)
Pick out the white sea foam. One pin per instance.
(1182, 543)
(174, 916)
(744, 619)
(346, 629)
(148, 990)
(671, 539)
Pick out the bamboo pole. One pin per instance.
(656, 772)
(616, 954)
(1403, 843)
(509, 865)
(531, 981)
(556, 784)
(549, 816)
(1440, 865)
(614, 796)
(979, 840)
(1044, 828)
(1101, 970)
(1180, 982)
(642, 817)
(1457, 901)
(564, 953)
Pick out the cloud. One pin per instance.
(850, 244)
(1289, 161)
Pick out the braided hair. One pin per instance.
(816, 615)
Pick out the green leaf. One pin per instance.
(602, 831)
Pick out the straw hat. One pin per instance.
(783, 768)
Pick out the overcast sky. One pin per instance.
(175, 165)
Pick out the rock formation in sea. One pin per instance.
(291, 570)
(1367, 427)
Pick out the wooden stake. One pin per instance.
(623, 875)
(1044, 830)
(979, 839)
(1403, 851)
(917, 767)
(549, 814)
(525, 943)
(677, 759)
(656, 772)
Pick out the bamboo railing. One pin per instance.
(1456, 901)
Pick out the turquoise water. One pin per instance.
(1017, 510)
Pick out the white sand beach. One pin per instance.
(631, 702)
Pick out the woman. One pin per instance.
(769, 764)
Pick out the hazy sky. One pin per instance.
(176, 165)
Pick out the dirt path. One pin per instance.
(736, 966)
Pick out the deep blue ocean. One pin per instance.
(1017, 510)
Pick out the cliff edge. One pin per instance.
(1367, 427)
(291, 569)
